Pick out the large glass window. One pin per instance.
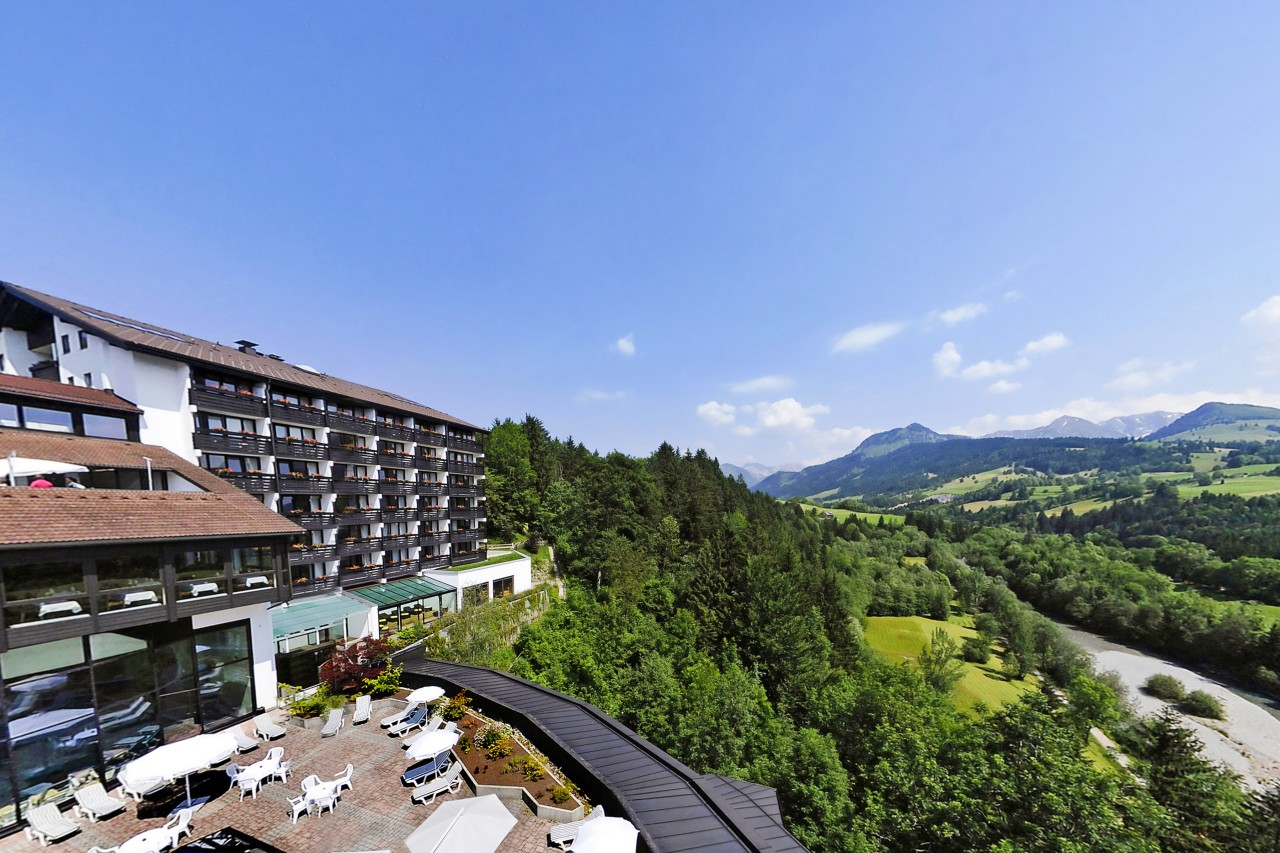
(50, 420)
(175, 678)
(221, 464)
(254, 567)
(200, 573)
(9, 415)
(127, 582)
(504, 586)
(285, 431)
(223, 672)
(104, 426)
(52, 733)
(41, 592)
(228, 423)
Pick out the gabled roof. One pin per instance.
(136, 335)
(47, 389)
(76, 516)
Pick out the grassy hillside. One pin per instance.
(900, 638)
(869, 517)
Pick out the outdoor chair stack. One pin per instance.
(267, 730)
(564, 833)
(413, 721)
(364, 704)
(46, 824)
(93, 802)
(333, 724)
(451, 781)
(399, 716)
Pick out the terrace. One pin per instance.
(376, 814)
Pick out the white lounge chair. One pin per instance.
(93, 802)
(364, 705)
(244, 743)
(434, 723)
(343, 779)
(96, 849)
(267, 730)
(451, 781)
(564, 833)
(400, 716)
(416, 720)
(46, 824)
(333, 724)
(178, 825)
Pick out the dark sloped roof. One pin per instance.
(134, 334)
(55, 516)
(47, 389)
(674, 808)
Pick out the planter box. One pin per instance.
(512, 794)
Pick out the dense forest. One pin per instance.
(727, 628)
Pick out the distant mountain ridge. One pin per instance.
(754, 472)
(1216, 414)
(1124, 426)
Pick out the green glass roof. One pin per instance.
(307, 614)
(398, 592)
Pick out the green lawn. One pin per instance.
(1244, 486)
(972, 483)
(869, 517)
(900, 638)
(492, 561)
(1079, 507)
(1238, 431)
(1269, 614)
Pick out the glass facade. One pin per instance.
(79, 708)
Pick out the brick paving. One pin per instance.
(376, 814)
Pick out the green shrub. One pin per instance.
(501, 749)
(533, 771)
(464, 744)
(317, 704)
(560, 795)
(385, 683)
(1200, 704)
(456, 707)
(976, 649)
(1165, 687)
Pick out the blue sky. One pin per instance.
(764, 229)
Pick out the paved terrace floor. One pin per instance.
(376, 814)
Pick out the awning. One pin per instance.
(400, 592)
(309, 614)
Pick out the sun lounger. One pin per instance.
(399, 716)
(424, 771)
(332, 725)
(93, 802)
(564, 833)
(431, 725)
(267, 730)
(244, 743)
(413, 721)
(364, 704)
(46, 824)
(451, 781)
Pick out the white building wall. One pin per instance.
(160, 387)
(17, 358)
(265, 684)
(522, 569)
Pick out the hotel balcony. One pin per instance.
(301, 448)
(396, 541)
(234, 443)
(430, 463)
(305, 485)
(466, 468)
(466, 491)
(400, 514)
(351, 423)
(467, 514)
(311, 554)
(313, 520)
(395, 487)
(433, 538)
(430, 488)
(359, 546)
(394, 459)
(359, 516)
(469, 557)
(465, 444)
(351, 576)
(352, 455)
(431, 439)
(231, 402)
(440, 562)
(396, 432)
(355, 486)
(400, 569)
(257, 483)
(466, 535)
(305, 585)
(294, 414)
(432, 513)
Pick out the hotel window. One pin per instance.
(223, 673)
(42, 592)
(66, 344)
(129, 582)
(253, 567)
(291, 399)
(284, 431)
(88, 380)
(296, 504)
(84, 339)
(397, 474)
(219, 463)
(218, 383)
(9, 415)
(296, 469)
(49, 420)
(200, 573)
(228, 423)
(504, 586)
(105, 426)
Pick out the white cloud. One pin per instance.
(1049, 343)
(1266, 315)
(745, 431)
(961, 313)
(592, 395)
(996, 367)
(716, 413)
(788, 414)
(867, 337)
(761, 383)
(946, 361)
(1004, 386)
(1012, 295)
(1134, 376)
(626, 344)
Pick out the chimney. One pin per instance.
(248, 347)
(275, 357)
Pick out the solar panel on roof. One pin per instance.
(137, 327)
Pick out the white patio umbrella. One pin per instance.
(425, 694)
(606, 835)
(179, 760)
(24, 466)
(431, 744)
(476, 825)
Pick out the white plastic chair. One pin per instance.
(283, 770)
(343, 779)
(310, 782)
(299, 806)
(249, 785)
(179, 825)
(321, 803)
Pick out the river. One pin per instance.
(1247, 741)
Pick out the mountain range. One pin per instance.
(754, 472)
(1125, 426)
